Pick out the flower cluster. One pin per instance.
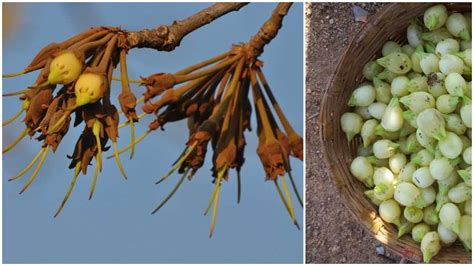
(214, 98)
(75, 78)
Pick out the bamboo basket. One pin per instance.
(388, 24)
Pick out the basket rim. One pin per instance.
(321, 122)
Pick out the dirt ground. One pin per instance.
(332, 235)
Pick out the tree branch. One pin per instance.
(168, 37)
(269, 29)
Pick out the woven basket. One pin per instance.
(388, 24)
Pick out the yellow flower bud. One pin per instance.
(88, 88)
(64, 69)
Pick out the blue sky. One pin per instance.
(116, 225)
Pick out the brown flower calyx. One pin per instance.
(111, 122)
(39, 100)
(227, 157)
(55, 138)
(93, 112)
(204, 133)
(195, 160)
(191, 109)
(85, 150)
(107, 115)
(284, 143)
(51, 110)
(57, 118)
(168, 97)
(296, 146)
(198, 114)
(172, 114)
(156, 84)
(272, 156)
(127, 104)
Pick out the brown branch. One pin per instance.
(269, 29)
(168, 37)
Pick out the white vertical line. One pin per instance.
(305, 30)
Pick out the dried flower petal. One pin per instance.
(272, 156)
(157, 84)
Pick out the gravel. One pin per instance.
(332, 235)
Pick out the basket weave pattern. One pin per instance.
(388, 24)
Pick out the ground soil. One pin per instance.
(332, 235)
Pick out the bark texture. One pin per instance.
(168, 37)
(270, 29)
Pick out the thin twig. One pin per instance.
(168, 37)
(270, 29)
